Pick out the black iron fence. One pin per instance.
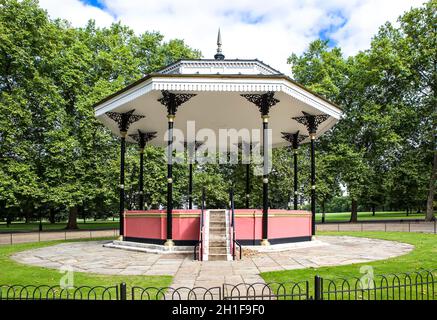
(382, 225)
(45, 292)
(51, 235)
(417, 285)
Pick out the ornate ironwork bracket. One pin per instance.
(173, 100)
(124, 120)
(264, 101)
(293, 138)
(143, 137)
(310, 121)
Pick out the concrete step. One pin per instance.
(217, 224)
(217, 250)
(217, 243)
(217, 230)
(217, 257)
(217, 214)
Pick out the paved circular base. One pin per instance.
(92, 257)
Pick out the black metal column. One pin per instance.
(265, 219)
(124, 120)
(122, 158)
(312, 122)
(313, 184)
(294, 139)
(264, 102)
(172, 101)
(247, 185)
(141, 180)
(295, 180)
(170, 181)
(190, 186)
(142, 138)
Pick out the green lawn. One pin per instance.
(33, 226)
(12, 272)
(423, 256)
(363, 216)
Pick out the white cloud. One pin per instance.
(283, 26)
(364, 20)
(76, 12)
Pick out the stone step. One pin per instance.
(217, 250)
(217, 219)
(217, 224)
(217, 230)
(218, 257)
(217, 243)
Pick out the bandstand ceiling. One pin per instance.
(218, 104)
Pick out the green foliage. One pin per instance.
(53, 152)
(54, 155)
(382, 149)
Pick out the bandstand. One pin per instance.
(199, 100)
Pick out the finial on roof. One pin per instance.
(219, 55)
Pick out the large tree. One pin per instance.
(54, 153)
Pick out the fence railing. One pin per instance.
(45, 292)
(386, 226)
(416, 285)
(27, 237)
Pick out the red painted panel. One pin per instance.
(248, 224)
(139, 225)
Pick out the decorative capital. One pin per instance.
(124, 120)
(293, 138)
(173, 100)
(143, 137)
(264, 101)
(312, 122)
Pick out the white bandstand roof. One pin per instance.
(218, 104)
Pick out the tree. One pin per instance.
(54, 154)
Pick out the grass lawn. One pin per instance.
(34, 226)
(12, 272)
(362, 216)
(423, 256)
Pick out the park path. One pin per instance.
(92, 257)
(26, 237)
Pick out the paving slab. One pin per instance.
(92, 257)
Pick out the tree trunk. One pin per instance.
(52, 215)
(354, 211)
(72, 218)
(27, 214)
(323, 212)
(430, 201)
(373, 210)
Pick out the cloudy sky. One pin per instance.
(269, 30)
